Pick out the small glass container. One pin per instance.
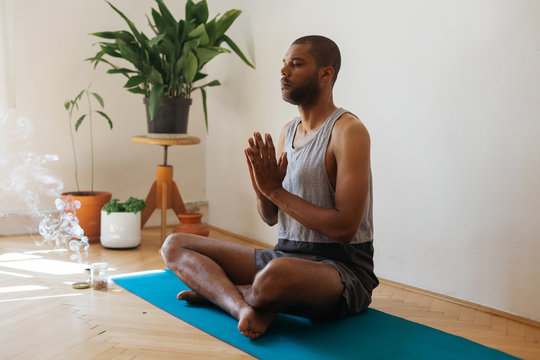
(99, 276)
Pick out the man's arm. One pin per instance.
(349, 146)
(268, 211)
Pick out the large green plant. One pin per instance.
(169, 63)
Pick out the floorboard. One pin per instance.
(42, 317)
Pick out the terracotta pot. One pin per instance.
(191, 223)
(89, 214)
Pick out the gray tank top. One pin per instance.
(307, 178)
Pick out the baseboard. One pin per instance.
(17, 223)
(24, 222)
(451, 299)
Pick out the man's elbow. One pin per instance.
(345, 234)
(270, 221)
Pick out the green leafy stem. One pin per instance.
(73, 105)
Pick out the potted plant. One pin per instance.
(166, 67)
(91, 201)
(121, 223)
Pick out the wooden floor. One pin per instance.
(42, 317)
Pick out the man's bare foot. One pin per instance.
(194, 298)
(253, 323)
(191, 297)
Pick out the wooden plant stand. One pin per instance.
(164, 193)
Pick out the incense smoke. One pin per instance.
(64, 229)
(29, 187)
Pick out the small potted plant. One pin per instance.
(121, 223)
(166, 66)
(91, 201)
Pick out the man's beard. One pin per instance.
(306, 94)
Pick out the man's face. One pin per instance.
(300, 76)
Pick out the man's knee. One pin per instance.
(272, 283)
(173, 246)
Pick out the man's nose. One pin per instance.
(284, 70)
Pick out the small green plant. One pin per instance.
(133, 205)
(72, 105)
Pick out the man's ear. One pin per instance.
(326, 73)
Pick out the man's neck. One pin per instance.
(313, 116)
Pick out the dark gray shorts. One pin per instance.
(355, 296)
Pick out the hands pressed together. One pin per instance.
(267, 172)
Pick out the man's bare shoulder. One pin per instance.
(348, 126)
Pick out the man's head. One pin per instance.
(324, 50)
(310, 66)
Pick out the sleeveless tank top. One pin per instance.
(307, 178)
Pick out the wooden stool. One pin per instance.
(164, 193)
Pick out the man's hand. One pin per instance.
(266, 172)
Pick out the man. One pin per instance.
(318, 189)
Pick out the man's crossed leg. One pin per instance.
(225, 274)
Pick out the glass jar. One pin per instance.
(99, 276)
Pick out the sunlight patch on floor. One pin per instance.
(15, 274)
(45, 251)
(17, 256)
(10, 289)
(40, 297)
(53, 267)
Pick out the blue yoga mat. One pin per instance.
(369, 335)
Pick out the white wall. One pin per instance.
(451, 94)
(449, 90)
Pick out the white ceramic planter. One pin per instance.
(121, 230)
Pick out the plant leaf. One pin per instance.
(134, 30)
(190, 68)
(155, 77)
(237, 50)
(199, 76)
(105, 34)
(156, 40)
(121, 71)
(224, 22)
(210, 84)
(158, 21)
(134, 81)
(205, 55)
(99, 99)
(106, 117)
(138, 90)
(203, 93)
(179, 65)
(152, 26)
(197, 12)
(156, 94)
(165, 13)
(130, 55)
(78, 97)
(199, 33)
(79, 122)
(110, 49)
(211, 31)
